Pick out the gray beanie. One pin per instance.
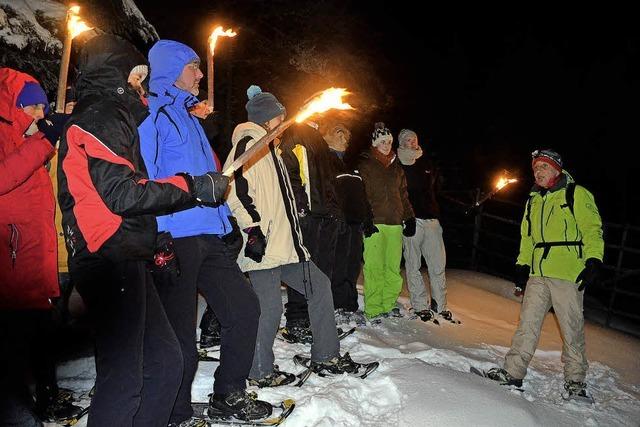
(405, 135)
(262, 106)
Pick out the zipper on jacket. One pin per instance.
(542, 230)
(14, 240)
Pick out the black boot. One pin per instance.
(274, 379)
(239, 404)
(53, 404)
(209, 329)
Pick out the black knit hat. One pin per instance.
(262, 106)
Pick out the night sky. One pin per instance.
(482, 88)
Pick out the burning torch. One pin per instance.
(213, 38)
(75, 26)
(319, 103)
(502, 182)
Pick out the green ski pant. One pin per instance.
(382, 279)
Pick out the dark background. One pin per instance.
(482, 88)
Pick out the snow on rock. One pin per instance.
(22, 23)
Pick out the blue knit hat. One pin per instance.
(32, 94)
(262, 106)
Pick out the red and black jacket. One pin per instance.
(108, 204)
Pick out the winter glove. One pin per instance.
(256, 244)
(165, 259)
(369, 228)
(590, 274)
(209, 188)
(233, 239)
(521, 278)
(409, 227)
(52, 126)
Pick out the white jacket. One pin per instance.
(260, 194)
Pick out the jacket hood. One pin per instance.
(168, 58)
(247, 129)
(104, 66)
(11, 84)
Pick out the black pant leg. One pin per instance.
(347, 266)
(179, 298)
(237, 308)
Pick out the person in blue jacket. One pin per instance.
(197, 248)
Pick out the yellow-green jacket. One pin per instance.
(556, 242)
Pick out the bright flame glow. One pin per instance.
(76, 26)
(74, 9)
(329, 99)
(502, 182)
(213, 38)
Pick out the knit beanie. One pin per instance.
(141, 69)
(405, 135)
(548, 156)
(262, 106)
(380, 134)
(32, 94)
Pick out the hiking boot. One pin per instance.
(504, 377)
(342, 317)
(191, 422)
(446, 314)
(298, 334)
(576, 388)
(395, 312)
(274, 379)
(239, 404)
(337, 365)
(425, 315)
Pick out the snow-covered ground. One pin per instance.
(424, 374)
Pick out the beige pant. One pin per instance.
(542, 293)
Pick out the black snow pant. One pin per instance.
(207, 265)
(25, 347)
(319, 235)
(138, 357)
(346, 268)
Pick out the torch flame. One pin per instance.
(213, 38)
(74, 9)
(75, 25)
(328, 99)
(502, 182)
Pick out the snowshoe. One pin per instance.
(75, 419)
(427, 316)
(242, 408)
(275, 379)
(377, 319)
(577, 391)
(336, 366)
(446, 315)
(58, 407)
(500, 375)
(191, 422)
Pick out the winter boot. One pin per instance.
(191, 422)
(297, 334)
(576, 389)
(239, 404)
(56, 405)
(337, 365)
(425, 315)
(504, 377)
(209, 329)
(274, 379)
(342, 317)
(395, 312)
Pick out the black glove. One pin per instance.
(590, 274)
(256, 244)
(52, 126)
(165, 259)
(369, 228)
(209, 188)
(409, 227)
(521, 278)
(233, 239)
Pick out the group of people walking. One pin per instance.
(149, 221)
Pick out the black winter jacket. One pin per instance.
(422, 185)
(108, 205)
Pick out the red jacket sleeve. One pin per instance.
(20, 164)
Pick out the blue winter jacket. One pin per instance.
(172, 140)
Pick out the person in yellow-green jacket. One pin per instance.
(561, 252)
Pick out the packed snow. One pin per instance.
(424, 376)
(21, 26)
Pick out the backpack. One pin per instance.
(569, 199)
